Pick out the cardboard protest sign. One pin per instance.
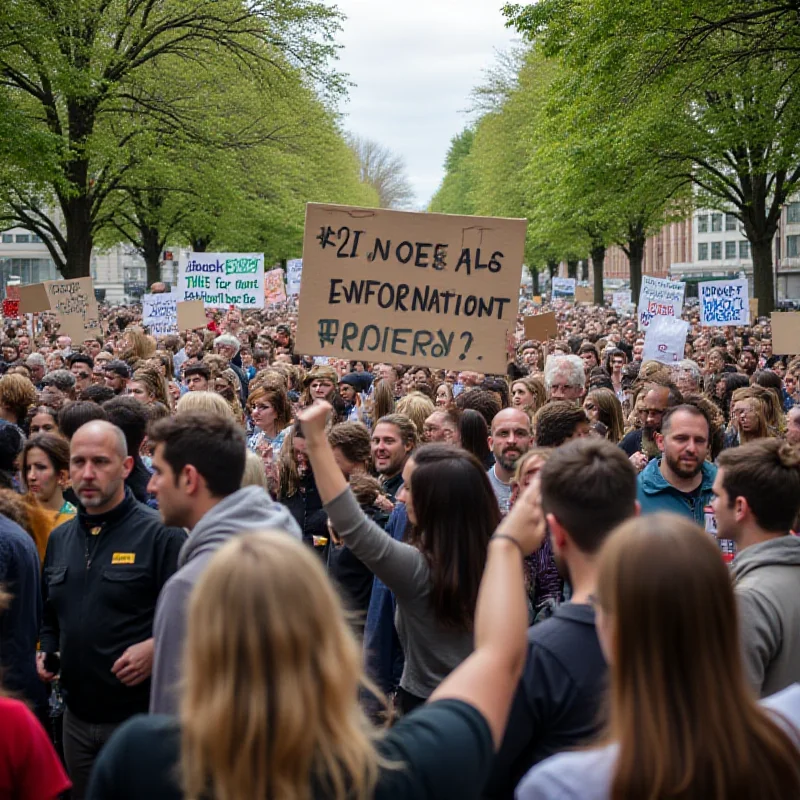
(753, 308)
(584, 294)
(274, 291)
(665, 339)
(785, 332)
(191, 314)
(724, 303)
(33, 299)
(659, 297)
(222, 279)
(541, 327)
(436, 290)
(620, 299)
(75, 306)
(563, 288)
(294, 271)
(160, 313)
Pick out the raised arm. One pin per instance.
(488, 679)
(401, 567)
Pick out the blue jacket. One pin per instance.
(655, 494)
(383, 655)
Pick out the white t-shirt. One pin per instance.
(586, 775)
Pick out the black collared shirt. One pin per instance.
(101, 579)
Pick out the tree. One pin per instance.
(730, 128)
(72, 71)
(384, 171)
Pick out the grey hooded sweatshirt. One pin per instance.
(248, 509)
(767, 586)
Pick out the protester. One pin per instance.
(510, 438)
(564, 378)
(756, 501)
(118, 374)
(588, 487)
(100, 621)
(602, 406)
(679, 724)
(199, 489)
(435, 601)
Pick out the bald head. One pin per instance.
(101, 432)
(98, 466)
(515, 416)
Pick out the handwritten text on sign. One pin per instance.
(160, 312)
(659, 297)
(724, 303)
(429, 289)
(222, 279)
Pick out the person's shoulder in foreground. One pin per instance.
(584, 775)
(29, 766)
(443, 749)
(587, 775)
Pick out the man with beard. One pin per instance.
(510, 438)
(102, 575)
(588, 487)
(640, 444)
(682, 480)
(393, 439)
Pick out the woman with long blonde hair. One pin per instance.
(683, 723)
(269, 704)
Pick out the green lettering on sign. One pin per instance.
(241, 266)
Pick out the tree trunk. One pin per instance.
(151, 252)
(200, 243)
(78, 224)
(763, 275)
(635, 251)
(598, 260)
(584, 269)
(552, 268)
(534, 281)
(572, 269)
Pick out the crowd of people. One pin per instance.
(232, 570)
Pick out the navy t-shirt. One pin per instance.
(19, 623)
(445, 748)
(557, 703)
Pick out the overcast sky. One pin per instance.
(414, 63)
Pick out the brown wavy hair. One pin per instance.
(680, 709)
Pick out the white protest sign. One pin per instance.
(563, 288)
(294, 270)
(274, 291)
(620, 299)
(160, 312)
(665, 340)
(659, 297)
(222, 279)
(724, 303)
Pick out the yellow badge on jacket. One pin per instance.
(123, 558)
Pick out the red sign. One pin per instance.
(10, 308)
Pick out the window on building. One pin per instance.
(793, 213)
(702, 223)
(792, 246)
(36, 239)
(730, 222)
(23, 238)
(7, 238)
(730, 251)
(716, 251)
(716, 223)
(744, 250)
(702, 251)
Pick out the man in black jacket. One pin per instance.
(103, 572)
